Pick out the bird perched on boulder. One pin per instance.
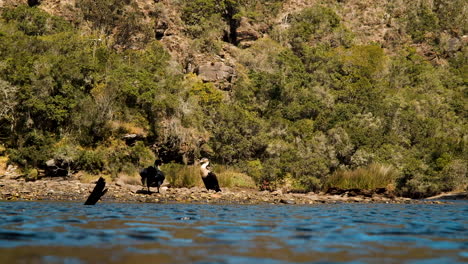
(209, 178)
(152, 176)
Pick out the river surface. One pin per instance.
(61, 232)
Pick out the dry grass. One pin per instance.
(86, 177)
(3, 160)
(189, 176)
(3, 164)
(182, 176)
(371, 177)
(130, 128)
(132, 179)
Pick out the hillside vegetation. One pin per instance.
(324, 93)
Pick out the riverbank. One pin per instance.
(59, 189)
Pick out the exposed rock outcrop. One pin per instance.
(246, 33)
(217, 72)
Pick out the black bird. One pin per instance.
(152, 176)
(208, 177)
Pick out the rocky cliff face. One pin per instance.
(369, 21)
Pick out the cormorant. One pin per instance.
(208, 177)
(152, 176)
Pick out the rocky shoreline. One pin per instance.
(59, 189)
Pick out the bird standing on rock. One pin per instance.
(209, 178)
(152, 176)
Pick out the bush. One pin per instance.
(34, 21)
(140, 155)
(454, 176)
(91, 161)
(33, 150)
(421, 22)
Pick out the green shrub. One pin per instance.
(34, 21)
(141, 155)
(422, 21)
(33, 150)
(454, 176)
(91, 161)
(254, 169)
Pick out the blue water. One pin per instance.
(57, 232)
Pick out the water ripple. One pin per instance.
(171, 233)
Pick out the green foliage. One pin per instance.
(309, 108)
(103, 14)
(317, 25)
(195, 12)
(421, 22)
(124, 19)
(207, 94)
(450, 16)
(91, 161)
(254, 169)
(34, 21)
(33, 149)
(237, 134)
(454, 176)
(313, 22)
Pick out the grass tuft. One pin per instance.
(229, 177)
(370, 177)
(3, 164)
(189, 176)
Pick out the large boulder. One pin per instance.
(217, 72)
(57, 168)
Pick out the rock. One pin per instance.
(216, 196)
(453, 44)
(246, 33)
(131, 139)
(277, 193)
(51, 188)
(284, 201)
(119, 183)
(56, 168)
(216, 72)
